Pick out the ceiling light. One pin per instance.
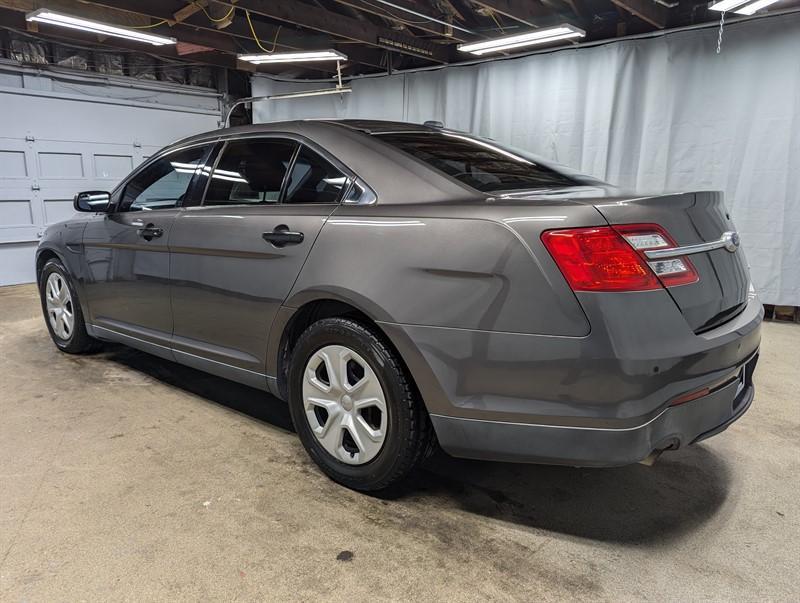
(755, 6)
(539, 36)
(44, 15)
(726, 5)
(741, 7)
(293, 57)
(321, 92)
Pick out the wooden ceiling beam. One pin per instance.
(189, 9)
(529, 12)
(166, 10)
(656, 15)
(335, 24)
(395, 14)
(287, 38)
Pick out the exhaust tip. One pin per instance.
(651, 458)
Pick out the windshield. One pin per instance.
(482, 164)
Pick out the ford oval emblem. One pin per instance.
(731, 241)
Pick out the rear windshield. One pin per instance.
(479, 163)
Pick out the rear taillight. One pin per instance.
(645, 237)
(606, 258)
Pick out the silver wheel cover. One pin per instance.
(344, 404)
(60, 310)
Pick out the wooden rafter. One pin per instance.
(656, 15)
(335, 24)
(529, 12)
(387, 12)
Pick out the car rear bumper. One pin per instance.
(592, 446)
(599, 400)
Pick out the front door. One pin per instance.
(126, 279)
(235, 258)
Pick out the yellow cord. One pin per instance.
(502, 31)
(255, 37)
(147, 26)
(210, 18)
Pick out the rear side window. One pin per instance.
(314, 180)
(164, 183)
(250, 171)
(478, 163)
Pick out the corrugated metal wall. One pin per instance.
(61, 133)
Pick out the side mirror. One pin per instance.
(92, 201)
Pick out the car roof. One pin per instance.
(377, 126)
(298, 126)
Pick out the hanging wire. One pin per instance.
(147, 26)
(494, 18)
(719, 36)
(255, 37)
(210, 18)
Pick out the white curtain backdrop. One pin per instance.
(664, 113)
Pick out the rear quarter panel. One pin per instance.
(446, 265)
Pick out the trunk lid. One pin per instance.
(692, 218)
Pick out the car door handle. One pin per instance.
(150, 232)
(281, 236)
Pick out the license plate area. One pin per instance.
(744, 380)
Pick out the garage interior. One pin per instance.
(124, 476)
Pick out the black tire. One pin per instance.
(409, 433)
(78, 341)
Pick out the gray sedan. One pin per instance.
(401, 285)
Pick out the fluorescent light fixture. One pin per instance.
(741, 7)
(755, 6)
(293, 57)
(44, 15)
(322, 92)
(539, 36)
(724, 6)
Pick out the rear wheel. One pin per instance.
(354, 408)
(62, 310)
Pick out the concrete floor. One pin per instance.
(126, 477)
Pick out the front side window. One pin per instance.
(478, 163)
(314, 180)
(250, 172)
(164, 183)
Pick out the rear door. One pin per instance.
(720, 292)
(235, 258)
(126, 249)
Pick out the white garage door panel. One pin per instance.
(13, 164)
(52, 148)
(58, 210)
(18, 259)
(114, 167)
(60, 166)
(15, 212)
(18, 215)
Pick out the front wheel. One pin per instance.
(62, 310)
(356, 411)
